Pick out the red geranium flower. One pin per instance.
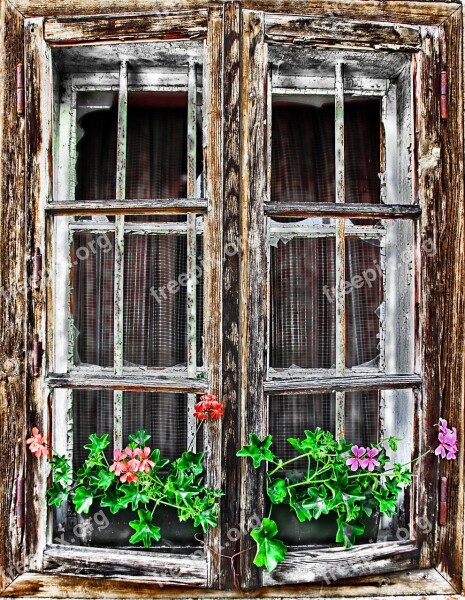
(208, 408)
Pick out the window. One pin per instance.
(305, 164)
(128, 288)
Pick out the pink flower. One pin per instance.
(442, 425)
(129, 474)
(118, 465)
(129, 477)
(447, 443)
(145, 464)
(356, 461)
(37, 444)
(131, 453)
(370, 461)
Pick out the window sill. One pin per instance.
(407, 584)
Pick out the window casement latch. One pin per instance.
(20, 502)
(443, 501)
(20, 89)
(37, 353)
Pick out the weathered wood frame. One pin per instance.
(439, 185)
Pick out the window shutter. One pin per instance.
(445, 288)
(12, 296)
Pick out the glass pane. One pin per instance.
(97, 116)
(92, 413)
(290, 415)
(162, 415)
(364, 294)
(155, 300)
(157, 149)
(362, 417)
(92, 301)
(302, 319)
(303, 154)
(362, 122)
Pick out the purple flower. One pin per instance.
(447, 441)
(356, 461)
(370, 461)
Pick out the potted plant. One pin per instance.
(345, 488)
(138, 482)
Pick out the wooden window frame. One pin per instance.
(235, 182)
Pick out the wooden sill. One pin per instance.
(407, 584)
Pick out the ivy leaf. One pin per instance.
(140, 438)
(104, 479)
(277, 491)
(258, 450)
(61, 469)
(159, 462)
(315, 502)
(133, 495)
(392, 441)
(402, 474)
(181, 487)
(82, 499)
(207, 518)
(347, 532)
(97, 444)
(145, 530)
(270, 552)
(296, 504)
(387, 501)
(190, 460)
(57, 494)
(111, 499)
(350, 496)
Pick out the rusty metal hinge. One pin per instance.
(20, 502)
(20, 89)
(443, 94)
(443, 501)
(37, 269)
(37, 352)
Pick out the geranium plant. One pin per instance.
(343, 479)
(137, 477)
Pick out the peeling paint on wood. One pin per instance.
(12, 304)
(213, 265)
(338, 32)
(414, 13)
(253, 414)
(155, 26)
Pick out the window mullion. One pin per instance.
(119, 248)
(191, 248)
(340, 244)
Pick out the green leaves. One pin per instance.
(145, 530)
(190, 461)
(112, 500)
(132, 494)
(277, 491)
(57, 494)
(315, 502)
(97, 444)
(258, 450)
(348, 531)
(140, 438)
(207, 518)
(82, 500)
(270, 552)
